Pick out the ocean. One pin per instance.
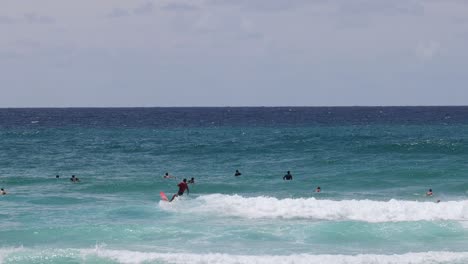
(374, 166)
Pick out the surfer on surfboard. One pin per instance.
(182, 187)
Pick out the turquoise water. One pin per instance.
(373, 172)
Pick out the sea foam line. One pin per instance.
(136, 257)
(311, 208)
(131, 257)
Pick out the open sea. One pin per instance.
(373, 164)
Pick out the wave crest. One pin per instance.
(311, 208)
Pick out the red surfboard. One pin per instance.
(163, 196)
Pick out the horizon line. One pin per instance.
(247, 106)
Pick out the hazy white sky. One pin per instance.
(233, 52)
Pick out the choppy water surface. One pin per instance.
(374, 165)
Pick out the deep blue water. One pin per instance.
(181, 117)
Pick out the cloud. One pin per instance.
(262, 5)
(6, 20)
(179, 7)
(249, 31)
(144, 9)
(381, 7)
(27, 43)
(118, 12)
(9, 55)
(33, 18)
(426, 51)
(243, 43)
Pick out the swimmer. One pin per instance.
(57, 176)
(288, 176)
(237, 173)
(318, 189)
(182, 187)
(74, 179)
(429, 193)
(167, 176)
(192, 181)
(2, 192)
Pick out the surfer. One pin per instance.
(167, 176)
(429, 193)
(182, 187)
(74, 179)
(237, 173)
(318, 189)
(288, 176)
(2, 192)
(192, 181)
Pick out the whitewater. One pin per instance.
(131, 257)
(314, 209)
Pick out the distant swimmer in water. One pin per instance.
(74, 179)
(288, 176)
(57, 176)
(318, 189)
(438, 201)
(2, 192)
(182, 187)
(429, 193)
(237, 173)
(167, 176)
(192, 181)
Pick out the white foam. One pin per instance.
(136, 257)
(311, 208)
(4, 252)
(132, 257)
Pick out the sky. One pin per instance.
(120, 53)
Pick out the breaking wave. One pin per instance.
(311, 208)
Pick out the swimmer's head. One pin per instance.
(185, 180)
